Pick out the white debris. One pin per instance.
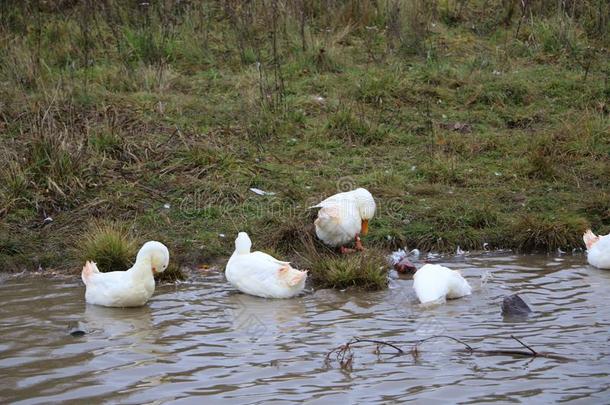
(261, 192)
(485, 277)
(400, 254)
(485, 246)
(397, 256)
(222, 235)
(433, 256)
(166, 206)
(459, 251)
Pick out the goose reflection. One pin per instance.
(257, 317)
(132, 325)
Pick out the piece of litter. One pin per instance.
(433, 256)
(166, 206)
(459, 251)
(261, 192)
(397, 256)
(222, 235)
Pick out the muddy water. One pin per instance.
(201, 339)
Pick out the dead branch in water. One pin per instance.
(344, 353)
(499, 352)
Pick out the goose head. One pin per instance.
(243, 244)
(365, 204)
(157, 253)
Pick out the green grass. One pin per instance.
(465, 130)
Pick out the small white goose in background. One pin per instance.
(257, 273)
(343, 217)
(130, 288)
(598, 249)
(434, 282)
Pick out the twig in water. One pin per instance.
(470, 349)
(345, 355)
(534, 353)
(379, 343)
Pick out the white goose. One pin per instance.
(598, 249)
(130, 288)
(257, 273)
(343, 217)
(434, 282)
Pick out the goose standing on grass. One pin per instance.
(130, 288)
(344, 217)
(598, 249)
(257, 273)
(434, 282)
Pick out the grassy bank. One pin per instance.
(471, 122)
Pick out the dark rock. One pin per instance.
(75, 329)
(513, 305)
(77, 333)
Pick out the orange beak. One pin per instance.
(365, 227)
(154, 270)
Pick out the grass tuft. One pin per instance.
(366, 270)
(110, 245)
(540, 233)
